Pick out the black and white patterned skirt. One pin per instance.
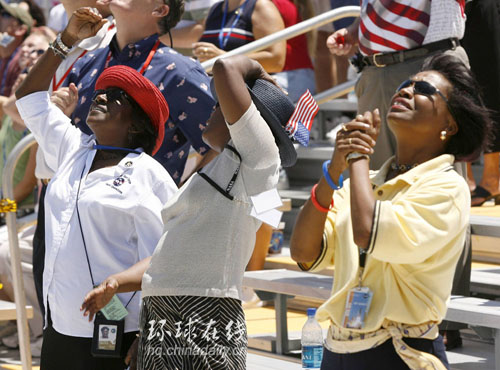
(188, 332)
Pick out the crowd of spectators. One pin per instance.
(165, 43)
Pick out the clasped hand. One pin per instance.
(84, 23)
(359, 135)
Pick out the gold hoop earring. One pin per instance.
(443, 135)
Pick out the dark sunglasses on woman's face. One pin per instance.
(422, 88)
(112, 95)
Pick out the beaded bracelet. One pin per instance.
(315, 202)
(328, 178)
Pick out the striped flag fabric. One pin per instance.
(300, 122)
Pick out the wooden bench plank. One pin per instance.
(8, 311)
(474, 311)
(308, 285)
(289, 282)
(485, 225)
(486, 281)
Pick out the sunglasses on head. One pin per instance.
(422, 88)
(113, 95)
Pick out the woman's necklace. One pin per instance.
(401, 168)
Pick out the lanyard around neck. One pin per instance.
(230, 185)
(146, 63)
(224, 39)
(108, 147)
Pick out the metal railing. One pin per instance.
(287, 33)
(291, 32)
(15, 255)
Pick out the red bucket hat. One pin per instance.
(144, 93)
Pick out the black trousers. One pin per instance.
(39, 250)
(62, 352)
(382, 357)
(482, 43)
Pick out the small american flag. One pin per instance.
(300, 122)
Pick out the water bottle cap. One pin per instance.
(311, 312)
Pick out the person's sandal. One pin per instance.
(485, 195)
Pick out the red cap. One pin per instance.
(144, 93)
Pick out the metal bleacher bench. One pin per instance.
(284, 284)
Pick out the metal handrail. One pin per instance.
(287, 33)
(293, 31)
(15, 255)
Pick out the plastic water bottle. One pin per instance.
(312, 342)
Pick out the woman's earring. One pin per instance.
(443, 135)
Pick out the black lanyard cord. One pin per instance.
(231, 182)
(81, 230)
(83, 237)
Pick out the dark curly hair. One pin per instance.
(466, 106)
(173, 17)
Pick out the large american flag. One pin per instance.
(300, 122)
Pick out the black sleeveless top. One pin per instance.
(237, 28)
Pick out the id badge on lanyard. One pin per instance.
(358, 300)
(107, 338)
(109, 326)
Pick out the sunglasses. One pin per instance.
(422, 88)
(113, 95)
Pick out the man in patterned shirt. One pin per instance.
(183, 82)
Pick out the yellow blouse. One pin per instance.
(419, 228)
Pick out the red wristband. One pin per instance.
(315, 203)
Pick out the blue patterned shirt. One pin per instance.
(183, 82)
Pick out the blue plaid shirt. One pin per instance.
(183, 82)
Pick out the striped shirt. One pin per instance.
(388, 25)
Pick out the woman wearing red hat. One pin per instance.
(102, 207)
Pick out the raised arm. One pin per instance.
(84, 23)
(307, 236)
(126, 281)
(230, 75)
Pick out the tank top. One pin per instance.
(237, 30)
